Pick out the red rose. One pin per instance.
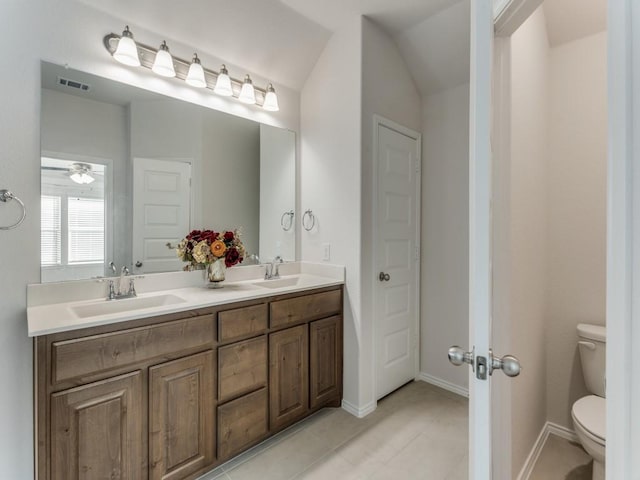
(208, 236)
(232, 257)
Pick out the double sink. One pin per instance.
(108, 307)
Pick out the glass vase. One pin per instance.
(215, 273)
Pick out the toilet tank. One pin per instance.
(592, 346)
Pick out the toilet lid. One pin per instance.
(590, 411)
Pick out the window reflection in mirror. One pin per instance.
(73, 219)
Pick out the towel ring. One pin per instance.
(286, 226)
(311, 218)
(5, 196)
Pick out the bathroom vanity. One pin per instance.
(172, 395)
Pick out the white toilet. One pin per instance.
(589, 413)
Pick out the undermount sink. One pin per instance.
(107, 307)
(279, 282)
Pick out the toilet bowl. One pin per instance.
(589, 413)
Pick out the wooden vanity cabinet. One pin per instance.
(171, 397)
(96, 430)
(182, 417)
(289, 376)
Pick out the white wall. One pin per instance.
(330, 179)
(528, 231)
(231, 177)
(60, 32)
(576, 211)
(445, 233)
(277, 193)
(387, 90)
(80, 127)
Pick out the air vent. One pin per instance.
(66, 82)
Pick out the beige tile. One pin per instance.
(334, 467)
(562, 460)
(338, 426)
(431, 455)
(283, 460)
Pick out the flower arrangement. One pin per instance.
(203, 247)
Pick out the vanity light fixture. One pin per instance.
(81, 173)
(195, 77)
(161, 62)
(127, 51)
(248, 93)
(271, 100)
(223, 83)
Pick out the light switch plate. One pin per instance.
(326, 252)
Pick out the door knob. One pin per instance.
(509, 365)
(138, 264)
(384, 277)
(458, 356)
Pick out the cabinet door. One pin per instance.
(289, 376)
(96, 430)
(325, 352)
(181, 417)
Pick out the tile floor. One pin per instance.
(561, 459)
(418, 432)
(389, 444)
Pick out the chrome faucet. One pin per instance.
(124, 272)
(121, 293)
(272, 269)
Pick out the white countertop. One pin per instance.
(68, 306)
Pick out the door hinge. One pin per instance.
(417, 253)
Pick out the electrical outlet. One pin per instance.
(326, 252)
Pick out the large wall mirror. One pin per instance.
(125, 171)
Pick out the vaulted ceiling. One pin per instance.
(282, 39)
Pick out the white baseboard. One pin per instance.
(549, 428)
(438, 382)
(359, 412)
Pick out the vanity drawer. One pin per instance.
(241, 423)
(242, 322)
(99, 353)
(307, 307)
(242, 367)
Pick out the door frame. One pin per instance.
(623, 227)
(379, 120)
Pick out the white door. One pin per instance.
(480, 239)
(161, 212)
(396, 251)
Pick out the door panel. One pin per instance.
(396, 321)
(289, 375)
(96, 430)
(181, 434)
(161, 212)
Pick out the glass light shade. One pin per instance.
(163, 64)
(195, 77)
(223, 83)
(82, 178)
(247, 94)
(127, 51)
(271, 100)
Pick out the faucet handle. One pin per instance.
(132, 288)
(124, 271)
(267, 271)
(112, 290)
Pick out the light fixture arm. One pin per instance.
(147, 55)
